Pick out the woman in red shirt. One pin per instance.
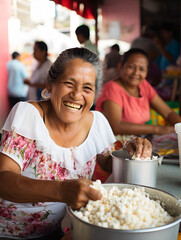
(126, 101)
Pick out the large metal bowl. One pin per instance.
(85, 231)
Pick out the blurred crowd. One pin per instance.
(157, 40)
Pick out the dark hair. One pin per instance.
(42, 46)
(115, 47)
(14, 55)
(131, 52)
(58, 67)
(83, 30)
(166, 26)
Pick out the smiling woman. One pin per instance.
(49, 150)
(74, 92)
(126, 101)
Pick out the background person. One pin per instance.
(126, 101)
(146, 43)
(168, 46)
(83, 36)
(169, 53)
(113, 58)
(112, 63)
(17, 90)
(37, 81)
(49, 150)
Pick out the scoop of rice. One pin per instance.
(147, 158)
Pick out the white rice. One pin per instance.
(124, 209)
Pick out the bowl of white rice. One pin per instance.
(127, 212)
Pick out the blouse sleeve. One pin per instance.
(17, 147)
(114, 94)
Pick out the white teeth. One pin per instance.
(72, 106)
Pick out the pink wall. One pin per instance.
(4, 57)
(127, 13)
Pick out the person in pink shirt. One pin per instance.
(126, 101)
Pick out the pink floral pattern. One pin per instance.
(22, 224)
(15, 220)
(40, 163)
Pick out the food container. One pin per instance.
(143, 172)
(87, 231)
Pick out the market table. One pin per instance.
(169, 179)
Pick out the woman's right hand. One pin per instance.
(161, 130)
(76, 193)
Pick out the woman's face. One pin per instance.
(73, 93)
(134, 71)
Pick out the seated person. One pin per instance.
(49, 150)
(126, 101)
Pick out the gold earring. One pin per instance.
(45, 94)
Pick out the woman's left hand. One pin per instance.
(141, 147)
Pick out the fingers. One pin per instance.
(140, 146)
(143, 148)
(87, 193)
(168, 129)
(76, 193)
(160, 130)
(94, 194)
(130, 147)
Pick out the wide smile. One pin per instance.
(72, 106)
(135, 78)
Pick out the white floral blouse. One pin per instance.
(26, 140)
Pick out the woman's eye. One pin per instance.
(131, 66)
(69, 84)
(88, 89)
(142, 70)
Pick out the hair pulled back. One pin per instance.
(131, 52)
(58, 67)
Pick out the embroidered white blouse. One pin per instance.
(26, 140)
